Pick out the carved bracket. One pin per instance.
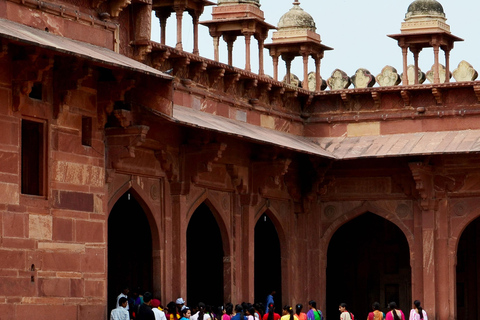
(204, 156)
(239, 176)
(437, 93)
(122, 143)
(116, 6)
(423, 175)
(196, 70)
(449, 183)
(214, 76)
(158, 58)
(476, 88)
(180, 67)
(377, 99)
(230, 80)
(249, 87)
(406, 96)
(269, 175)
(111, 92)
(169, 163)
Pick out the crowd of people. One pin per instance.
(145, 307)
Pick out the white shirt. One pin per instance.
(159, 315)
(119, 313)
(195, 316)
(118, 298)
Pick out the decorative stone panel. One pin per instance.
(465, 72)
(388, 77)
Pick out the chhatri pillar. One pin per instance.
(295, 37)
(164, 8)
(425, 27)
(234, 18)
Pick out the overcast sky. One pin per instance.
(357, 30)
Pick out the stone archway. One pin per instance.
(205, 253)
(368, 260)
(468, 272)
(130, 261)
(268, 262)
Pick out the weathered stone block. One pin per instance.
(12, 259)
(94, 260)
(363, 129)
(14, 224)
(60, 261)
(40, 227)
(17, 287)
(7, 311)
(78, 174)
(9, 193)
(77, 288)
(54, 287)
(89, 231)
(267, 121)
(9, 161)
(46, 312)
(73, 200)
(94, 288)
(91, 312)
(62, 229)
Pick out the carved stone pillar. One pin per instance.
(275, 67)
(261, 42)
(195, 16)
(405, 65)
(447, 65)
(163, 16)
(415, 52)
(179, 12)
(229, 39)
(318, 78)
(248, 37)
(305, 71)
(216, 54)
(436, 69)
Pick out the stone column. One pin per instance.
(405, 65)
(288, 64)
(436, 73)
(143, 21)
(261, 41)
(230, 39)
(415, 52)
(195, 17)
(305, 70)
(275, 67)
(429, 279)
(247, 36)
(318, 78)
(179, 12)
(447, 64)
(442, 253)
(216, 40)
(163, 16)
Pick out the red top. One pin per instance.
(276, 316)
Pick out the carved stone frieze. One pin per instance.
(239, 176)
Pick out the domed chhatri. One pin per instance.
(425, 8)
(425, 16)
(296, 18)
(222, 2)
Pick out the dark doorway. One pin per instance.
(129, 249)
(468, 273)
(204, 259)
(368, 260)
(268, 268)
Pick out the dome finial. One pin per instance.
(296, 3)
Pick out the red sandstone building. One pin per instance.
(213, 183)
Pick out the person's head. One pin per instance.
(298, 308)
(392, 305)
(273, 292)
(288, 310)
(229, 308)
(125, 290)
(376, 306)
(123, 302)
(238, 308)
(201, 306)
(419, 308)
(342, 307)
(147, 298)
(180, 303)
(251, 311)
(185, 313)
(155, 303)
(312, 304)
(172, 307)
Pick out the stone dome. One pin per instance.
(256, 2)
(296, 18)
(425, 8)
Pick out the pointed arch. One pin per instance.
(364, 208)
